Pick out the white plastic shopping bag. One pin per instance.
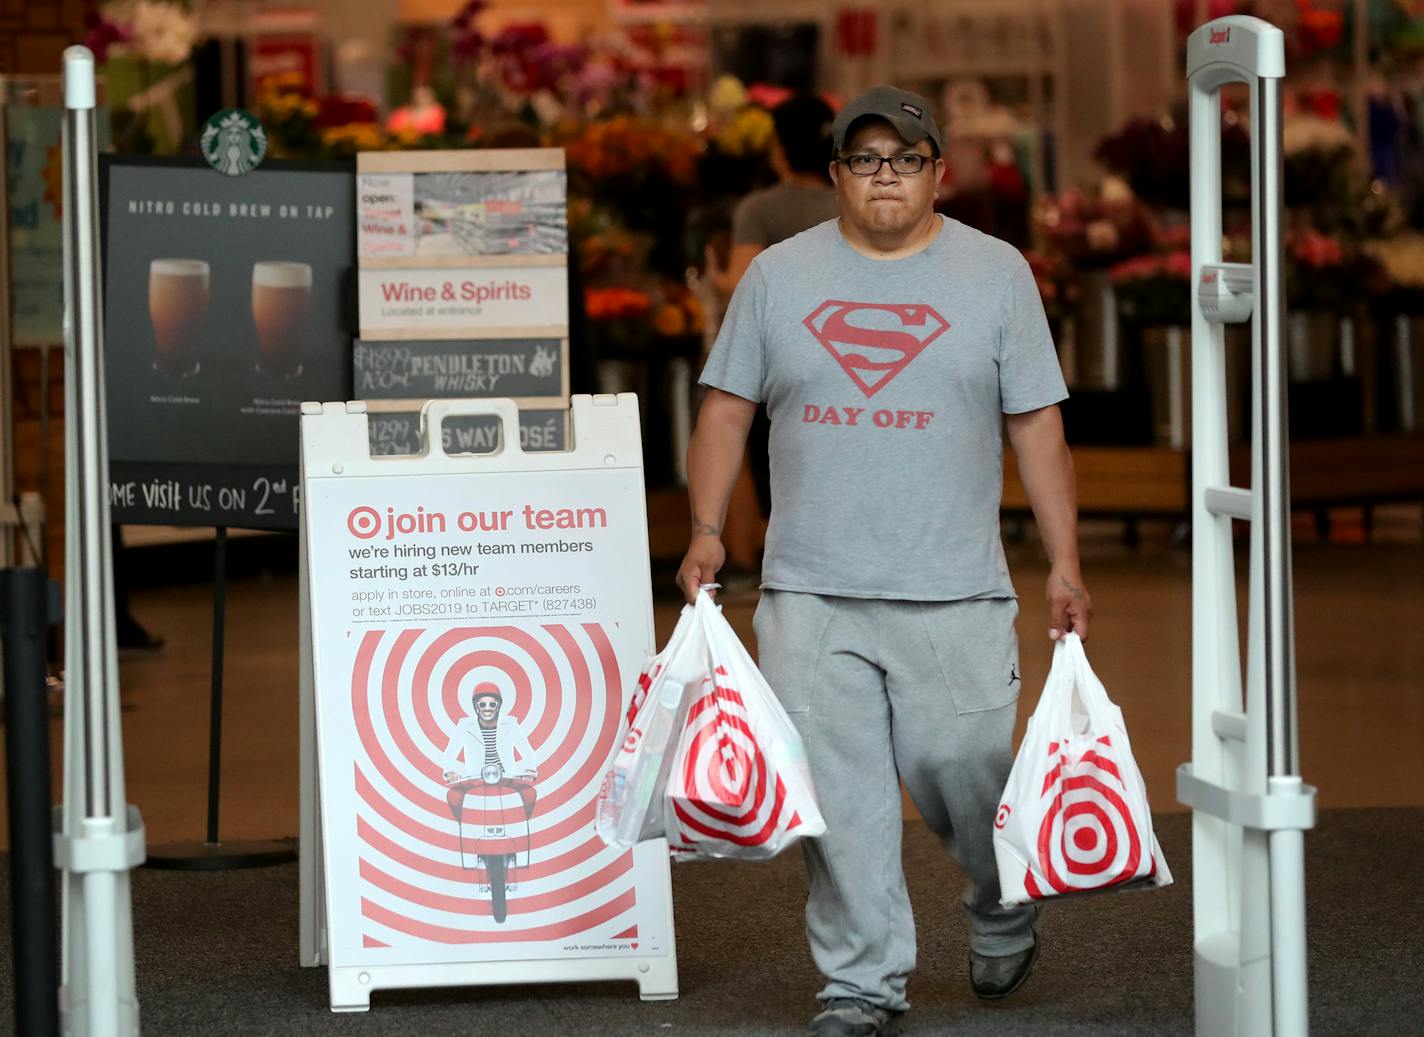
(740, 784)
(1074, 816)
(630, 807)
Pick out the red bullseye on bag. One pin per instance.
(708, 756)
(740, 785)
(1074, 816)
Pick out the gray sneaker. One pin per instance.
(996, 978)
(852, 1017)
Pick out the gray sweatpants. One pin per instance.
(883, 691)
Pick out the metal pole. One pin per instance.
(1275, 447)
(215, 714)
(36, 968)
(1287, 846)
(213, 854)
(101, 837)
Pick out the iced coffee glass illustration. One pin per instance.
(178, 308)
(281, 302)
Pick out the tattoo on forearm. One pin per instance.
(700, 528)
(1077, 592)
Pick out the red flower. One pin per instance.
(341, 110)
(104, 34)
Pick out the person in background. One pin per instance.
(801, 198)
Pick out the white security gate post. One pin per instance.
(1250, 808)
(99, 837)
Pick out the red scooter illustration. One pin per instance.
(497, 746)
(496, 848)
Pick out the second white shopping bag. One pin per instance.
(1074, 817)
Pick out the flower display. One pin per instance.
(608, 304)
(618, 319)
(728, 95)
(679, 314)
(288, 116)
(1056, 285)
(1402, 259)
(627, 145)
(1310, 131)
(750, 132)
(1154, 288)
(1401, 262)
(148, 30)
(106, 39)
(1095, 232)
(425, 116)
(1152, 155)
(350, 138)
(1325, 272)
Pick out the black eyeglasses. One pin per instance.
(907, 164)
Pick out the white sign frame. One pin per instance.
(606, 437)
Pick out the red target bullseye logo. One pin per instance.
(364, 522)
(1087, 839)
(724, 789)
(421, 880)
(1002, 817)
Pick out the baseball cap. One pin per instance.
(908, 113)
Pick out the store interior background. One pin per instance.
(1359, 475)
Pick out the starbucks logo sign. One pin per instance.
(233, 142)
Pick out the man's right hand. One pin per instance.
(704, 559)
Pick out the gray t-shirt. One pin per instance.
(776, 213)
(886, 382)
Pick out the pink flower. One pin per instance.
(104, 35)
(1318, 251)
(767, 96)
(1178, 264)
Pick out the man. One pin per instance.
(891, 348)
(487, 739)
(801, 198)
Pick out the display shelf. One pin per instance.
(1348, 470)
(1127, 481)
(158, 536)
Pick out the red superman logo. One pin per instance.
(881, 340)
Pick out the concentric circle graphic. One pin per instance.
(1087, 839)
(420, 837)
(723, 788)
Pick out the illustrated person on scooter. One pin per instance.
(488, 739)
(498, 760)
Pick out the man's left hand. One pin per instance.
(1069, 606)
